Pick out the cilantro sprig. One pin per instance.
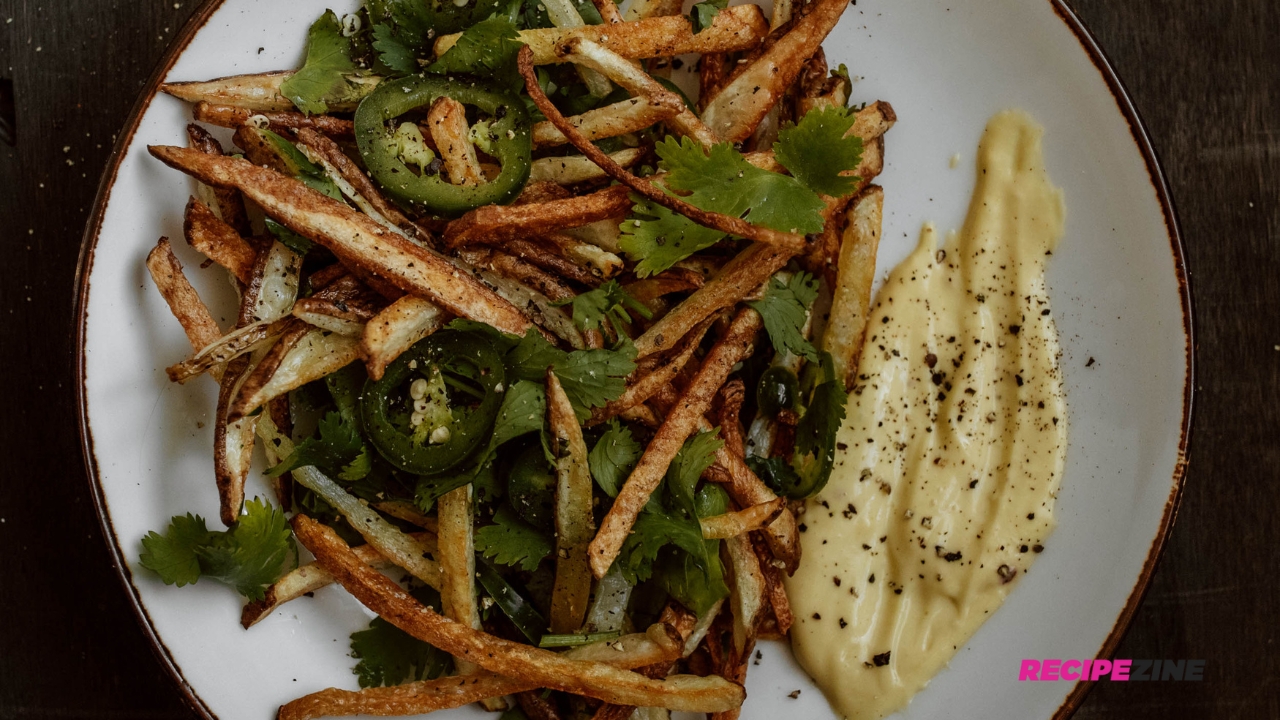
(784, 309)
(513, 542)
(391, 656)
(325, 76)
(249, 557)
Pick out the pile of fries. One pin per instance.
(377, 277)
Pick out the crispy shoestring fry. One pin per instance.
(736, 344)
(457, 555)
(539, 668)
(716, 221)
(227, 203)
(856, 270)
(185, 304)
(355, 238)
(738, 522)
(730, 399)
(574, 523)
(772, 568)
(231, 116)
(447, 121)
(395, 329)
(647, 385)
(260, 93)
(206, 232)
(625, 116)
(660, 644)
(574, 169)
(513, 268)
(496, 223)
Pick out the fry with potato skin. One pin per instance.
(647, 385)
(447, 122)
(625, 116)
(220, 242)
(230, 206)
(232, 116)
(660, 644)
(183, 301)
(856, 269)
(496, 223)
(395, 329)
(740, 522)
(259, 92)
(717, 221)
(353, 237)
(736, 344)
(513, 268)
(300, 356)
(538, 667)
(736, 28)
(457, 556)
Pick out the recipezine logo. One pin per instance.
(1116, 670)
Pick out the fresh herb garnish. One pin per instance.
(512, 541)
(324, 76)
(391, 656)
(613, 456)
(784, 310)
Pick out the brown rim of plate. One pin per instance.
(201, 16)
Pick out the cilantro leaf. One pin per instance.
(323, 77)
(248, 557)
(651, 532)
(391, 656)
(720, 181)
(817, 150)
(336, 448)
(815, 451)
(696, 580)
(704, 13)
(393, 52)
(173, 556)
(609, 302)
(591, 378)
(512, 541)
(488, 48)
(695, 456)
(613, 457)
(784, 310)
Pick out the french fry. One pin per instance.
(232, 116)
(233, 443)
(627, 652)
(447, 121)
(713, 70)
(228, 347)
(260, 92)
(395, 329)
(740, 522)
(301, 355)
(207, 233)
(737, 28)
(736, 344)
(730, 399)
(746, 593)
(495, 223)
(539, 668)
(856, 270)
(407, 511)
(311, 577)
(725, 223)
(514, 268)
(360, 182)
(355, 238)
(574, 169)
(747, 490)
(601, 233)
(532, 703)
(551, 320)
(772, 568)
(701, 628)
(183, 301)
(647, 385)
(341, 317)
(608, 11)
(601, 263)
(458, 562)
(574, 523)
(746, 98)
(225, 202)
(625, 116)
(587, 53)
(398, 547)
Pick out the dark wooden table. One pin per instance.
(1206, 77)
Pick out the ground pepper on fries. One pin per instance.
(562, 342)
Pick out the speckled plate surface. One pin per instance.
(1117, 285)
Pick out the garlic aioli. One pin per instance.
(952, 449)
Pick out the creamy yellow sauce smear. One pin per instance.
(952, 449)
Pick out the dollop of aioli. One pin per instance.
(952, 449)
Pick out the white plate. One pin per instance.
(1118, 289)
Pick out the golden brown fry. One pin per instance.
(738, 107)
(574, 169)
(659, 377)
(772, 569)
(747, 489)
(232, 444)
(347, 167)
(546, 257)
(341, 317)
(301, 355)
(718, 221)
(574, 523)
(659, 644)
(538, 667)
(736, 344)
(408, 511)
(194, 316)
(872, 122)
(231, 116)
(497, 223)
(713, 70)
(395, 329)
(625, 116)
(608, 11)
(311, 577)
(227, 203)
(739, 522)
(747, 590)
(730, 399)
(851, 301)
(636, 81)
(457, 557)
(518, 270)
(226, 348)
(260, 92)
(736, 28)
(447, 121)
(601, 263)
(354, 237)
(207, 233)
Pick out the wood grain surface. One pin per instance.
(1206, 77)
